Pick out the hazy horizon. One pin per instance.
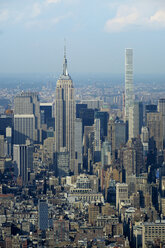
(106, 79)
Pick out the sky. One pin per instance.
(32, 34)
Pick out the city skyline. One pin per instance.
(75, 173)
(32, 35)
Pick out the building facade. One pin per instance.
(161, 109)
(152, 232)
(78, 142)
(135, 119)
(155, 126)
(23, 157)
(129, 92)
(65, 113)
(43, 215)
(27, 122)
(121, 193)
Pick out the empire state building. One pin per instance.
(65, 113)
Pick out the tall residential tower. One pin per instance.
(65, 112)
(129, 92)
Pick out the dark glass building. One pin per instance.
(104, 117)
(87, 116)
(46, 110)
(5, 121)
(80, 106)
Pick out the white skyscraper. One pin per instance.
(129, 92)
(65, 113)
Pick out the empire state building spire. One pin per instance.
(65, 71)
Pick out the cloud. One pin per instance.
(124, 18)
(142, 15)
(36, 10)
(58, 1)
(4, 15)
(31, 13)
(15, 16)
(159, 18)
(52, 1)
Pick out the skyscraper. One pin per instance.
(135, 119)
(149, 108)
(8, 142)
(23, 157)
(87, 116)
(43, 215)
(78, 142)
(24, 126)
(116, 135)
(121, 193)
(104, 117)
(161, 109)
(131, 158)
(97, 141)
(46, 110)
(27, 118)
(97, 145)
(106, 153)
(62, 161)
(155, 126)
(65, 112)
(5, 121)
(1, 145)
(129, 92)
(145, 140)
